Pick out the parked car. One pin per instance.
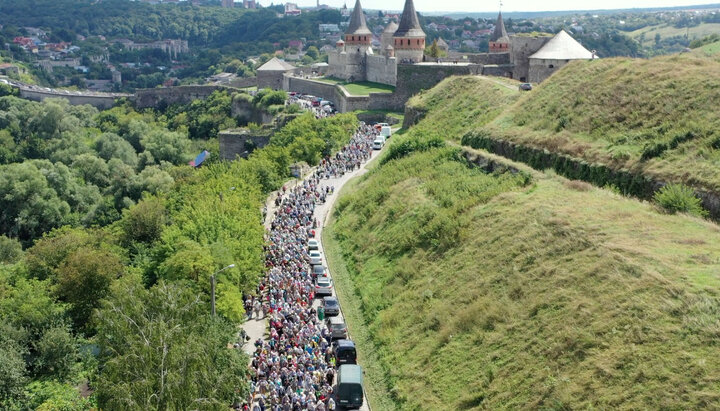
(378, 144)
(319, 271)
(337, 327)
(331, 306)
(323, 286)
(315, 257)
(345, 352)
(525, 87)
(313, 244)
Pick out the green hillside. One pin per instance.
(658, 117)
(479, 291)
(647, 34)
(457, 104)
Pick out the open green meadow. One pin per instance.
(484, 291)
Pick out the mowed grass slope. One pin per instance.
(459, 103)
(481, 292)
(659, 116)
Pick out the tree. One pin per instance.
(110, 145)
(30, 205)
(84, 279)
(12, 367)
(313, 52)
(145, 221)
(56, 353)
(433, 50)
(166, 145)
(161, 349)
(10, 250)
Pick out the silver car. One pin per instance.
(337, 327)
(315, 257)
(323, 286)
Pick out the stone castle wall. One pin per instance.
(100, 101)
(159, 97)
(540, 69)
(521, 48)
(348, 65)
(381, 69)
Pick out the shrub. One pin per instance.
(679, 198)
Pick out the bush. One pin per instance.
(679, 198)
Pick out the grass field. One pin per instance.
(457, 104)
(666, 30)
(480, 293)
(658, 117)
(359, 88)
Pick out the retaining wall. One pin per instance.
(164, 96)
(102, 102)
(633, 183)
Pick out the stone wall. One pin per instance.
(270, 79)
(540, 69)
(244, 82)
(412, 78)
(101, 101)
(343, 101)
(241, 142)
(381, 69)
(521, 48)
(477, 58)
(504, 70)
(245, 111)
(165, 96)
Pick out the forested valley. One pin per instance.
(108, 243)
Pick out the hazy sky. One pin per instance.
(508, 5)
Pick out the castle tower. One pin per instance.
(358, 35)
(386, 38)
(409, 39)
(499, 41)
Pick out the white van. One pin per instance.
(378, 143)
(386, 131)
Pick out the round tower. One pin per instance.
(358, 35)
(499, 41)
(386, 38)
(409, 38)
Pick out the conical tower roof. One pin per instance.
(563, 47)
(391, 27)
(409, 24)
(500, 31)
(357, 21)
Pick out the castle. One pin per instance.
(355, 60)
(526, 58)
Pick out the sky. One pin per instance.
(508, 5)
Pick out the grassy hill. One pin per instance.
(658, 117)
(647, 34)
(479, 291)
(457, 104)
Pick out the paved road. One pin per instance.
(256, 328)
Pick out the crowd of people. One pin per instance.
(294, 368)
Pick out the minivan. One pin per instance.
(378, 144)
(349, 390)
(345, 352)
(337, 327)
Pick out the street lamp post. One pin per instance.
(212, 288)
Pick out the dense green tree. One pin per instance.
(162, 350)
(145, 221)
(170, 146)
(13, 374)
(56, 353)
(110, 145)
(84, 278)
(10, 250)
(30, 205)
